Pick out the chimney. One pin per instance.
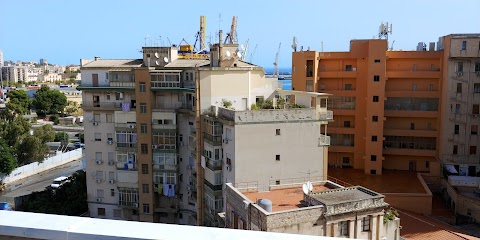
(97, 58)
(220, 37)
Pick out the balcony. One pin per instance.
(164, 167)
(214, 140)
(122, 84)
(341, 149)
(126, 146)
(323, 140)
(413, 74)
(409, 152)
(461, 159)
(413, 94)
(325, 115)
(107, 106)
(130, 126)
(411, 113)
(411, 133)
(164, 126)
(214, 165)
(338, 74)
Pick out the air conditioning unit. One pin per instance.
(111, 181)
(111, 163)
(95, 123)
(154, 146)
(99, 199)
(99, 162)
(135, 205)
(99, 180)
(110, 142)
(131, 126)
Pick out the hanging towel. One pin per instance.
(172, 190)
(126, 107)
(165, 189)
(160, 188)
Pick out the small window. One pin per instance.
(474, 130)
(455, 150)
(143, 128)
(456, 129)
(343, 228)
(144, 148)
(414, 87)
(96, 117)
(469, 212)
(109, 117)
(348, 86)
(432, 67)
(101, 211)
(108, 96)
(142, 87)
(143, 108)
(106, 75)
(377, 60)
(98, 137)
(414, 67)
(373, 158)
(375, 98)
(144, 168)
(366, 224)
(277, 182)
(373, 172)
(374, 138)
(475, 109)
(112, 192)
(346, 124)
(460, 67)
(309, 86)
(476, 87)
(348, 68)
(145, 187)
(427, 164)
(374, 118)
(464, 45)
(277, 157)
(277, 131)
(430, 87)
(459, 87)
(412, 126)
(146, 208)
(376, 78)
(346, 160)
(473, 150)
(477, 66)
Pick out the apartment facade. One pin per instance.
(151, 137)
(386, 103)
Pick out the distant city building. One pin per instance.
(43, 61)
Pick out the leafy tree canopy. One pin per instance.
(31, 149)
(7, 161)
(49, 101)
(20, 99)
(45, 133)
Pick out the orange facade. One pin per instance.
(386, 104)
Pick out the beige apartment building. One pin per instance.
(161, 140)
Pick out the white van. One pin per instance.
(57, 182)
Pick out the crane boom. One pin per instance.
(232, 35)
(275, 64)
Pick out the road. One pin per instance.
(40, 181)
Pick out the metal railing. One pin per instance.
(126, 145)
(163, 126)
(326, 115)
(165, 167)
(126, 125)
(103, 105)
(165, 84)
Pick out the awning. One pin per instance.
(450, 169)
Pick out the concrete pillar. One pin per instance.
(380, 226)
(358, 226)
(351, 229)
(373, 223)
(328, 230)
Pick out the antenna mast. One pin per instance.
(384, 30)
(294, 44)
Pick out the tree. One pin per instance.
(45, 133)
(71, 107)
(49, 101)
(7, 161)
(20, 99)
(13, 128)
(61, 136)
(31, 149)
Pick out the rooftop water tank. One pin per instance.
(265, 204)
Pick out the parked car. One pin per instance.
(5, 206)
(57, 182)
(78, 145)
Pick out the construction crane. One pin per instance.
(275, 64)
(200, 37)
(244, 49)
(232, 35)
(253, 53)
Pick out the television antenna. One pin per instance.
(294, 44)
(384, 30)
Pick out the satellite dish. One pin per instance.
(157, 63)
(239, 55)
(165, 59)
(305, 188)
(156, 55)
(310, 186)
(228, 53)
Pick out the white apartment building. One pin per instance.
(142, 135)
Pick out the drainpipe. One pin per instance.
(199, 145)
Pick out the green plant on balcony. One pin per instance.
(226, 103)
(390, 214)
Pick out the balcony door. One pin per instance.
(95, 80)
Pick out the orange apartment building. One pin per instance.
(386, 103)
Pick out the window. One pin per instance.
(100, 193)
(414, 87)
(309, 68)
(455, 150)
(111, 175)
(96, 117)
(412, 126)
(469, 212)
(373, 158)
(98, 137)
(322, 86)
(106, 75)
(375, 98)
(374, 138)
(432, 67)
(277, 131)
(456, 129)
(376, 78)
(427, 164)
(277, 157)
(277, 182)
(429, 126)
(143, 108)
(145, 187)
(346, 124)
(373, 172)
(414, 67)
(108, 96)
(475, 109)
(459, 87)
(143, 128)
(457, 108)
(144, 148)
(112, 192)
(142, 87)
(101, 211)
(464, 45)
(476, 87)
(117, 213)
(343, 228)
(460, 67)
(376, 60)
(366, 224)
(348, 86)
(146, 208)
(348, 68)
(477, 66)
(118, 96)
(309, 86)
(474, 130)
(345, 160)
(473, 150)
(374, 118)
(127, 197)
(430, 87)
(109, 117)
(144, 168)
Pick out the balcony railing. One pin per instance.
(163, 126)
(122, 84)
(128, 204)
(214, 164)
(326, 115)
(102, 105)
(126, 125)
(165, 84)
(216, 140)
(163, 167)
(323, 140)
(126, 145)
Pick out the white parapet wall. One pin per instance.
(36, 167)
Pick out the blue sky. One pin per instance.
(65, 31)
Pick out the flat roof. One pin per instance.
(183, 63)
(109, 63)
(344, 195)
(284, 198)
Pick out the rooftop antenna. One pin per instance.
(294, 44)
(391, 46)
(384, 30)
(309, 173)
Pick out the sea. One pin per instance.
(286, 83)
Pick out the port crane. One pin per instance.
(253, 53)
(275, 64)
(232, 35)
